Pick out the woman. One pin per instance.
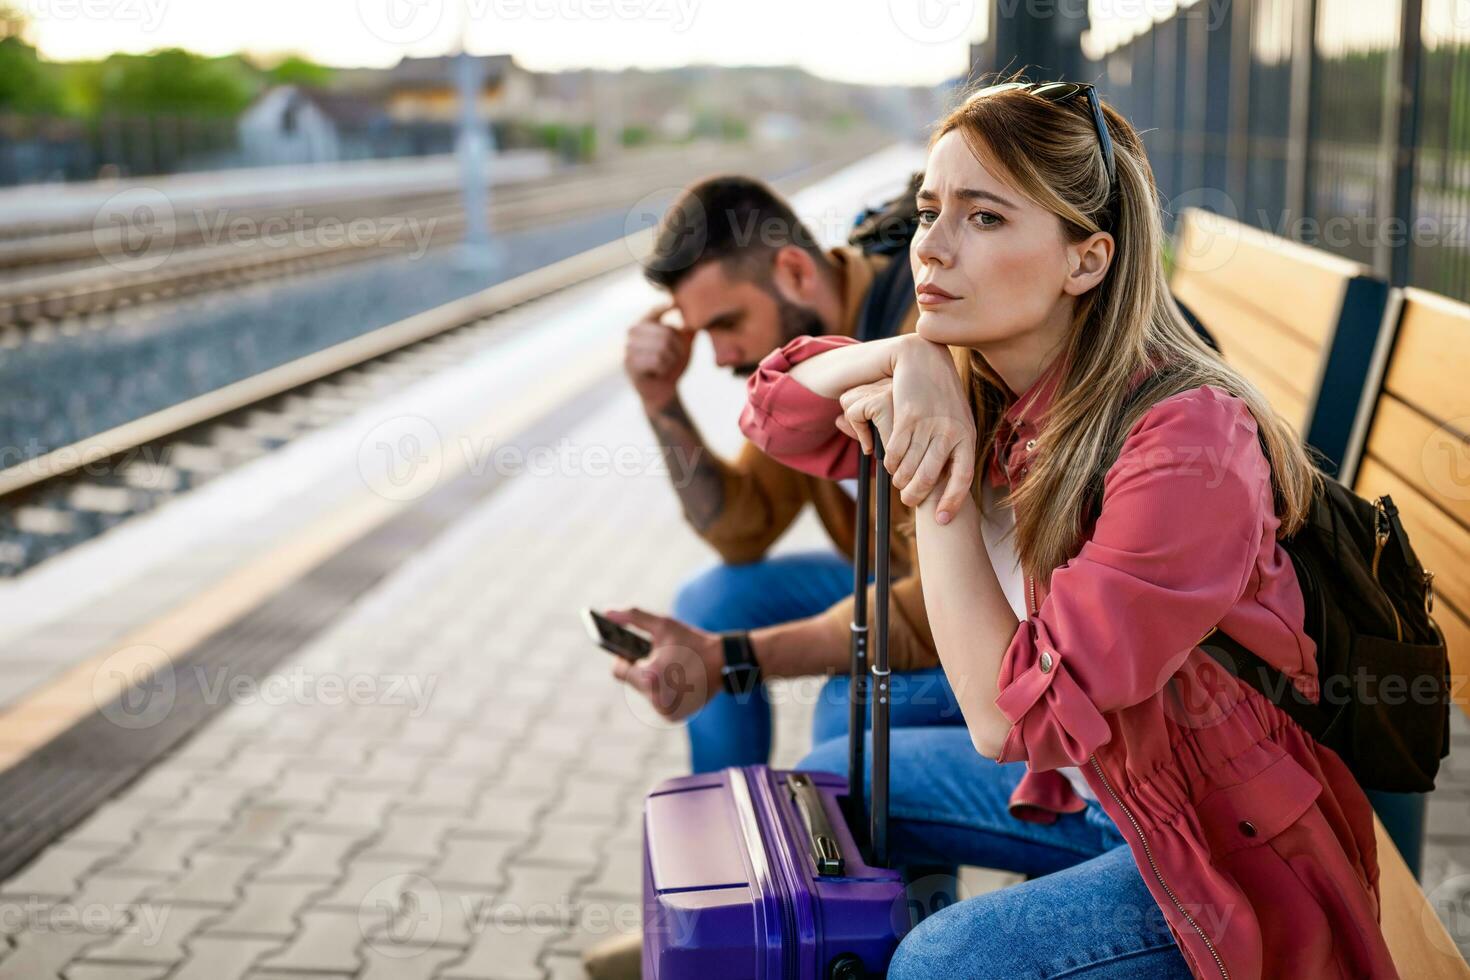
(1147, 484)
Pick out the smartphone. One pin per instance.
(621, 641)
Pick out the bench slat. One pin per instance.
(1431, 458)
(1427, 369)
(1300, 288)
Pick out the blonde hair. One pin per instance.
(1050, 152)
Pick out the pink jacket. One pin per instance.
(1257, 843)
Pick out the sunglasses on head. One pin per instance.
(1060, 92)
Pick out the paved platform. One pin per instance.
(444, 782)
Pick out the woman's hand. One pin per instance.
(684, 670)
(933, 431)
(873, 403)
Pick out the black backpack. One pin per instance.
(1383, 670)
(887, 230)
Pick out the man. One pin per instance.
(740, 267)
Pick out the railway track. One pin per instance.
(61, 498)
(122, 265)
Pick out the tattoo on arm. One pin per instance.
(691, 465)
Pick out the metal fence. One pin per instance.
(1344, 124)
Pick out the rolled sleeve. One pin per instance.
(1186, 508)
(793, 424)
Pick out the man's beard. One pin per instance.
(796, 321)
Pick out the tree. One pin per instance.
(27, 84)
(174, 80)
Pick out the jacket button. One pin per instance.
(1248, 828)
(1045, 662)
(1030, 445)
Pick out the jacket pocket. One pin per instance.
(1252, 812)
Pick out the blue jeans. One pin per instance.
(1084, 913)
(731, 731)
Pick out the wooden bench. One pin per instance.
(1411, 441)
(1301, 325)
(1364, 374)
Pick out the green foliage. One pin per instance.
(175, 81)
(26, 84)
(296, 70)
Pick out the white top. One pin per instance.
(998, 529)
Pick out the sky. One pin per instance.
(920, 42)
(878, 41)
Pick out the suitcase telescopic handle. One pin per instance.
(858, 689)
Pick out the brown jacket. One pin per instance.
(762, 497)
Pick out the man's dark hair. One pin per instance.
(736, 220)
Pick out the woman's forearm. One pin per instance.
(833, 372)
(972, 621)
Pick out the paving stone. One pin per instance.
(312, 855)
(113, 971)
(511, 954)
(301, 788)
(407, 964)
(160, 851)
(113, 826)
(211, 879)
(356, 809)
(536, 893)
(154, 934)
(443, 792)
(267, 909)
(211, 801)
(564, 968)
(41, 954)
(620, 874)
(163, 785)
(326, 941)
(57, 872)
(222, 957)
(365, 875)
(584, 800)
(573, 845)
(477, 863)
(412, 835)
(259, 829)
(502, 815)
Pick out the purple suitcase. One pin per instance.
(757, 874)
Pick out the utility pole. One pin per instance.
(474, 147)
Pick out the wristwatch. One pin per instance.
(741, 674)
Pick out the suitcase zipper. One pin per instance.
(1138, 829)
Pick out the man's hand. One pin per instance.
(684, 670)
(656, 356)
